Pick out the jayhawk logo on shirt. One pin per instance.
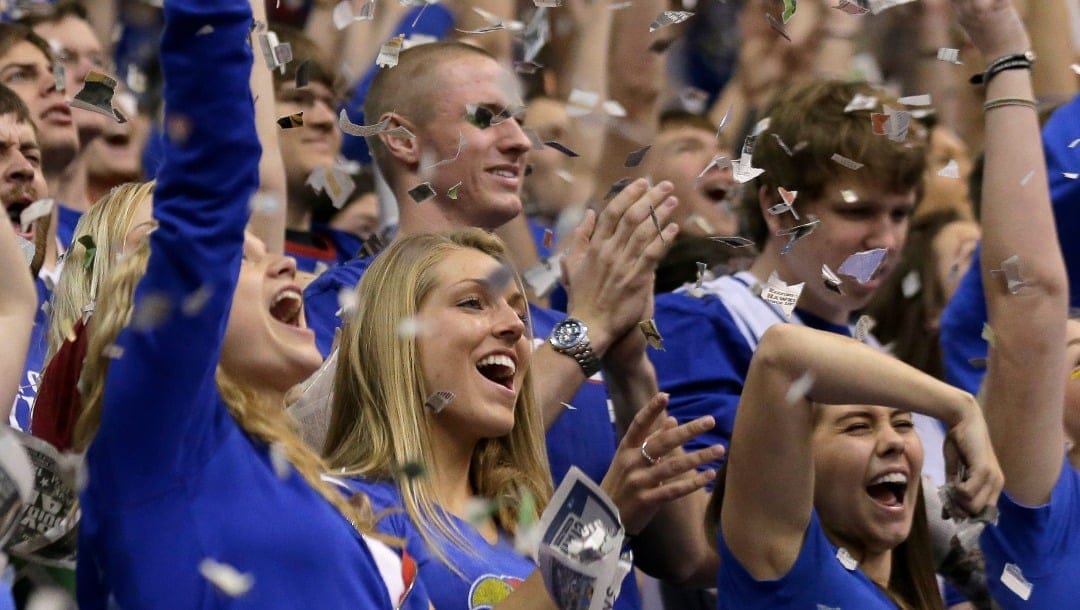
(490, 589)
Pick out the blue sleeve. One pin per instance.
(427, 19)
(321, 300)
(961, 330)
(704, 365)
(160, 402)
(1062, 156)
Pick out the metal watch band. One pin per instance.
(586, 359)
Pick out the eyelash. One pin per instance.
(475, 303)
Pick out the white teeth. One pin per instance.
(504, 173)
(287, 294)
(500, 360)
(892, 477)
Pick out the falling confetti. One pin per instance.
(34, 211)
(951, 170)
(668, 18)
(635, 157)
(96, 96)
(863, 265)
(848, 163)
(1010, 268)
(291, 121)
(796, 233)
(438, 401)
(734, 241)
(422, 192)
(863, 326)
(832, 282)
(861, 102)
(652, 334)
(799, 388)
(226, 578)
(779, 293)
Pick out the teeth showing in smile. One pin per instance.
(892, 477)
(504, 173)
(287, 306)
(497, 368)
(889, 489)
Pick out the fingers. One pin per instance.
(614, 210)
(664, 442)
(677, 488)
(640, 213)
(643, 422)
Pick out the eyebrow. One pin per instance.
(1072, 342)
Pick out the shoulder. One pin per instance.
(345, 275)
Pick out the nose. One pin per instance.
(278, 266)
(889, 441)
(508, 327)
(320, 116)
(887, 232)
(514, 140)
(20, 170)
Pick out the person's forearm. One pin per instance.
(630, 383)
(18, 299)
(1048, 22)
(556, 380)
(267, 222)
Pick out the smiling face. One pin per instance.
(316, 143)
(877, 219)
(678, 155)
(480, 351)
(267, 341)
(77, 48)
(28, 72)
(20, 170)
(867, 464)
(491, 163)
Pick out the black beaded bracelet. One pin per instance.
(1019, 61)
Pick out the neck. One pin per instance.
(52, 254)
(427, 217)
(69, 185)
(452, 463)
(771, 260)
(876, 565)
(298, 208)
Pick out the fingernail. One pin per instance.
(665, 186)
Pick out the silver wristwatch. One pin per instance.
(571, 337)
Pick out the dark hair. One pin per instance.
(814, 113)
(11, 103)
(679, 266)
(907, 323)
(304, 50)
(678, 118)
(55, 13)
(12, 34)
(912, 582)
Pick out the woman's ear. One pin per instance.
(403, 147)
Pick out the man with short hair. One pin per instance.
(21, 184)
(812, 148)
(315, 145)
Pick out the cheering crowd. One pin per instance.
(314, 304)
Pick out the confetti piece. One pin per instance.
(335, 182)
(714, 162)
(543, 277)
(915, 100)
(382, 126)
(429, 166)
(347, 303)
(112, 351)
(1074, 143)
(303, 74)
(743, 172)
(536, 35)
(438, 401)
(96, 96)
(1075, 375)
(832, 282)
(389, 52)
(951, 170)
(660, 45)
(796, 233)
(344, 16)
(781, 208)
(204, 30)
(59, 78)
(948, 55)
(479, 510)
(291, 121)
(846, 560)
(911, 284)
(849, 196)
(799, 388)
(878, 6)
(783, 145)
(1076, 69)
(656, 223)
(861, 102)
(452, 192)
(413, 470)
(776, 25)
(549, 236)
(194, 303)
(1071, 175)
(614, 108)
(789, 10)
(848, 163)
(668, 18)
(898, 124)
(1010, 268)
(275, 53)
(724, 121)
(150, 312)
(702, 269)
(226, 578)
(422, 192)
(280, 463)
(863, 326)
(863, 265)
(27, 248)
(852, 8)
(1027, 178)
(547, 3)
(34, 211)
(701, 223)
(635, 157)
(617, 187)
(779, 293)
(788, 196)
(652, 334)
(497, 281)
(581, 102)
(561, 148)
(1013, 579)
(734, 241)
(988, 334)
(410, 328)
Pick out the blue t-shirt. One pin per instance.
(330, 248)
(488, 574)
(35, 361)
(66, 221)
(1043, 543)
(172, 480)
(817, 579)
(963, 318)
(583, 436)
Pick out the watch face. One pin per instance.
(567, 333)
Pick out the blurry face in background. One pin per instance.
(116, 156)
(548, 188)
(28, 72)
(359, 217)
(318, 141)
(678, 155)
(953, 247)
(941, 192)
(78, 49)
(21, 181)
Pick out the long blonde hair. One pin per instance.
(378, 423)
(105, 225)
(263, 422)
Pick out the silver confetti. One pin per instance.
(226, 578)
(863, 265)
(438, 401)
